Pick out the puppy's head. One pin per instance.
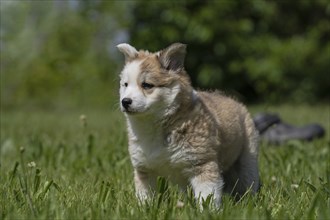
(150, 82)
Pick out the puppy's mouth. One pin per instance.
(131, 111)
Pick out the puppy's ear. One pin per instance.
(172, 58)
(129, 51)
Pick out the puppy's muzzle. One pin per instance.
(126, 102)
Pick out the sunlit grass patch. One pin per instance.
(57, 165)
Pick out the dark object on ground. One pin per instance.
(274, 131)
(263, 121)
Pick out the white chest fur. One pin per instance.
(151, 150)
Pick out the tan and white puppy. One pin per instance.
(199, 139)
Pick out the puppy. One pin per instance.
(200, 139)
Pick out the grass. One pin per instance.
(56, 165)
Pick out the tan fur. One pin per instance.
(202, 139)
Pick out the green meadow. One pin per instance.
(75, 165)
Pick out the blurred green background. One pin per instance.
(62, 54)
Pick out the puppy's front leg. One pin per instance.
(144, 185)
(207, 181)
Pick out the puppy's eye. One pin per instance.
(147, 86)
(125, 84)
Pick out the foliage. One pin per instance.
(268, 50)
(57, 53)
(68, 166)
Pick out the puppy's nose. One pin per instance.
(126, 102)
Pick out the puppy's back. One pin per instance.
(235, 125)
